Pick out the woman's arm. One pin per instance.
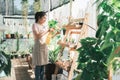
(50, 30)
(35, 30)
(45, 32)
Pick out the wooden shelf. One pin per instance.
(72, 27)
(65, 44)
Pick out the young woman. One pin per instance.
(40, 50)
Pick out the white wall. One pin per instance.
(79, 8)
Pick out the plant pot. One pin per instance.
(16, 56)
(13, 36)
(28, 36)
(21, 36)
(54, 77)
(12, 56)
(23, 56)
(64, 31)
(49, 70)
(8, 36)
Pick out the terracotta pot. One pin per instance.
(8, 36)
(28, 36)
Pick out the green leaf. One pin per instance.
(107, 8)
(118, 36)
(118, 25)
(112, 22)
(98, 32)
(103, 25)
(52, 23)
(106, 45)
(110, 35)
(5, 63)
(101, 18)
(117, 15)
(88, 41)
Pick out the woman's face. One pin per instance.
(42, 20)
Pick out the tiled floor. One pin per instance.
(19, 71)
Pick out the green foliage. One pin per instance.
(92, 60)
(24, 1)
(97, 54)
(116, 4)
(52, 23)
(17, 43)
(5, 63)
(37, 0)
(53, 54)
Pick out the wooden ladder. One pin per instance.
(75, 27)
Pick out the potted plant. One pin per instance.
(52, 24)
(54, 50)
(53, 54)
(64, 30)
(53, 57)
(5, 63)
(7, 35)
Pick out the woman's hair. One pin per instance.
(39, 15)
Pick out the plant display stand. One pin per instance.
(75, 30)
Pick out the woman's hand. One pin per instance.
(51, 29)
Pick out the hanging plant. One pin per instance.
(24, 7)
(25, 12)
(36, 6)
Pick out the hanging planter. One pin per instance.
(25, 12)
(36, 6)
(24, 7)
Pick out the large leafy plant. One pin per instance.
(96, 54)
(92, 61)
(5, 63)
